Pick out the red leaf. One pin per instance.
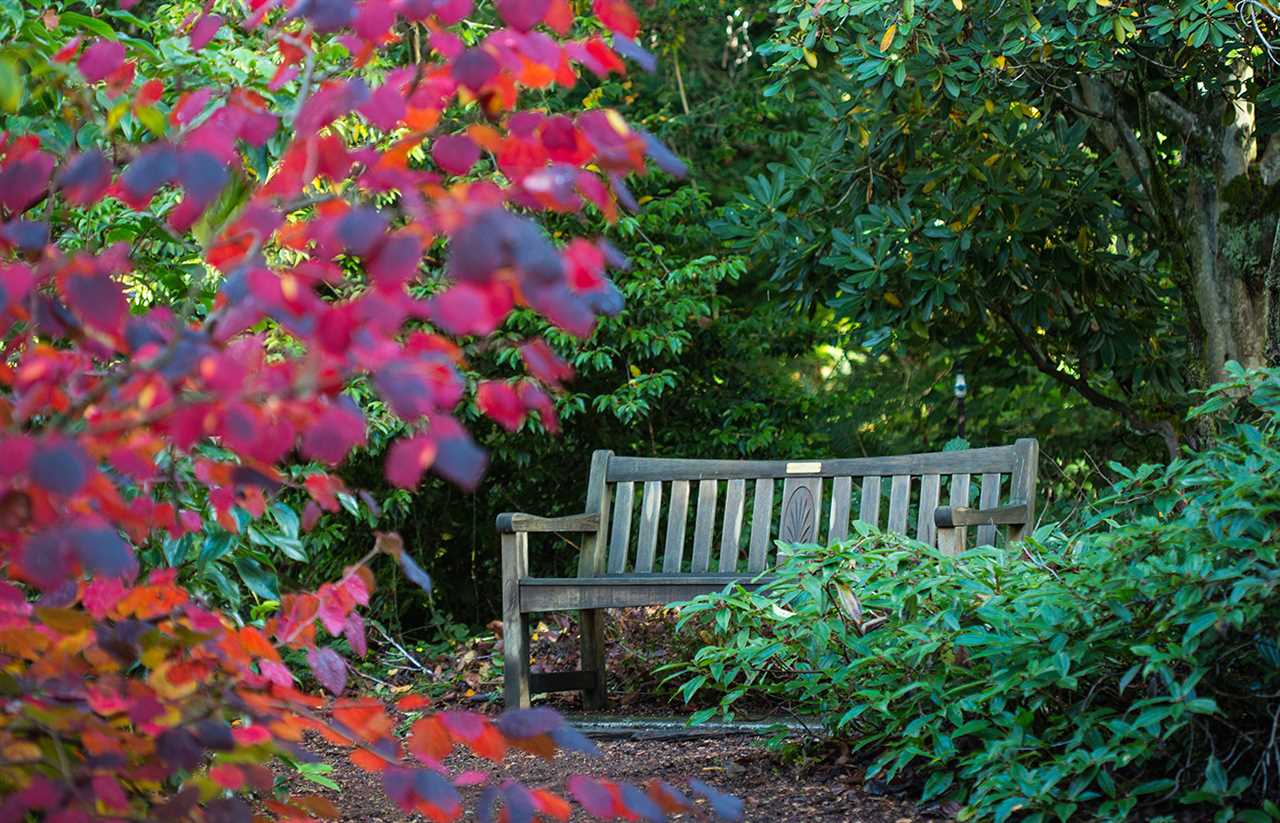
(68, 49)
(429, 740)
(228, 777)
(499, 402)
(204, 30)
(101, 59)
(618, 16)
(545, 364)
(408, 458)
(329, 668)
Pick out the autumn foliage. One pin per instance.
(124, 696)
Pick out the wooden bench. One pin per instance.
(630, 498)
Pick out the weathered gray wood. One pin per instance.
(869, 508)
(543, 682)
(731, 528)
(974, 461)
(515, 648)
(647, 543)
(1022, 483)
(703, 526)
(567, 594)
(899, 503)
(761, 525)
(591, 563)
(959, 496)
(509, 522)
(988, 498)
(1009, 514)
(930, 486)
(677, 515)
(801, 510)
(623, 498)
(841, 500)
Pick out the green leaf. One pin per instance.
(259, 580)
(12, 85)
(287, 518)
(90, 24)
(215, 546)
(937, 783)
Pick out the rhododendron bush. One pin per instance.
(125, 696)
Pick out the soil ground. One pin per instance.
(772, 792)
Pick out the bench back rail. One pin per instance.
(677, 516)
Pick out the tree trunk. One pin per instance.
(1231, 220)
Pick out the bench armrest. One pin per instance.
(947, 517)
(517, 522)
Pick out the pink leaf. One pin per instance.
(408, 458)
(354, 632)
(522, 15)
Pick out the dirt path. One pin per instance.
(771, 792)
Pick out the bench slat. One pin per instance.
(869, 509)
(673, 554)
(926, 530)
(975, 461)
(988, 498)
(761, 525)
(899, 502)
(841, 499)
(650, 506)
(731, 530)
(704, 525)
(960, 497)
(564, 594)
(623, 498)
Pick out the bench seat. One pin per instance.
(554, 594)
(641, 543)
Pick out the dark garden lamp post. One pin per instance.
(961, 389)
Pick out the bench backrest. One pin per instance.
(734, 510)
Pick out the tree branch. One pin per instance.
(1187, 124)
(1082, 387)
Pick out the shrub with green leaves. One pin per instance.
(1129, 670)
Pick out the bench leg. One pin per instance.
(515, 624)
(592, 623)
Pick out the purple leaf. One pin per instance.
(522, 15)
(60, 467)
(204, 30)
(22, 183)
(725, 806)
(627, 47)
(385, 108)
(520, 724)
(86, 178)
(329, 668)
(415, 572)
(475, 67)
(455, 153)
(640, 804)
(101, 59)
(593, 797)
